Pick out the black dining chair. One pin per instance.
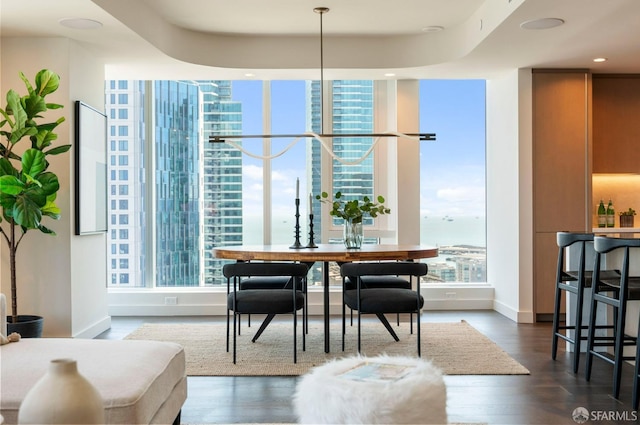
(371, 282)
(287, 300)
(620, 291)
(574, 281)
(382, 300)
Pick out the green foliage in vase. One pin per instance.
(354, 210)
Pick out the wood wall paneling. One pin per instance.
(616, 123)
(561, 167)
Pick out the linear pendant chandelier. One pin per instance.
(323, 138)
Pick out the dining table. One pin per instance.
(325, 253)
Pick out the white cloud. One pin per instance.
(461, 194)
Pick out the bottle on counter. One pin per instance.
(611, 215)
(602, 214)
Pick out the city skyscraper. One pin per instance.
(177, 183)
(128, 231)
(352, 112)
(197, 192)
(221, 175)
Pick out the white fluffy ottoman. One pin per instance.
(372, 390)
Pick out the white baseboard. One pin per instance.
(95, 329)
(213, 303)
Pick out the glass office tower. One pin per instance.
(222, 176)
(197, 196)
(177, 183)
(352, 112)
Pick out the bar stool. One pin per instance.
(575, 282)
(620, 291)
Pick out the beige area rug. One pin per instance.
(456, 348)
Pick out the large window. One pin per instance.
(452, 177)
(179, 195)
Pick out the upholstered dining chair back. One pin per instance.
(269, 301)
(383, 299)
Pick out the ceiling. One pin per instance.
(279, 39)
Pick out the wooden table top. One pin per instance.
(325, 252)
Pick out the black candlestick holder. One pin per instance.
(296, 243)
(311, 243)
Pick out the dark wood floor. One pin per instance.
(548, 396)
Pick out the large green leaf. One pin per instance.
(37, 195)
(33, 105)
(7, 201)
(49, 183)
(18, 112)
(51, 210)
(58, 150)
(11, 185)
(22, 132)
(46, 82)
(46, 230)
(26, 213)
(33, 162)
(7, 168)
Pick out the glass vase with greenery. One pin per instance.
(353, 212)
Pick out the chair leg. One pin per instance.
(636, 379)
(577, 330)
(235, 319)
(295, 335)
(263, 326)
(556, 322)
(344, 326)
(418, 329)
(387, 325)
(227, 330)
(304, 327)
(592, 334)
(619, 345)
(359, 327)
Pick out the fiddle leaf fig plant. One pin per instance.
(27, 188)
(354, 210)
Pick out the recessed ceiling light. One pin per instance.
(432, 28)
(600, 60)
(80, 23)
(541, 24)
(389, 74)
(248, 74)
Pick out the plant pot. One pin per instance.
(352, 234)
(27, 326)
(626, 221)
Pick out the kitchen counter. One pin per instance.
(615, 230)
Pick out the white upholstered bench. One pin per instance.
(141, 382)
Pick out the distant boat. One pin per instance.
(449, 219)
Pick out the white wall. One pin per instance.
(509, 194)
(63, 277)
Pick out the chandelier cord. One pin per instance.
(321, 11)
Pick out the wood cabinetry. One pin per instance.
(616, 123)
(561, 170)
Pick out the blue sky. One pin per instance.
(452, 168)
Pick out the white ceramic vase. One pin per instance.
(62, 396)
